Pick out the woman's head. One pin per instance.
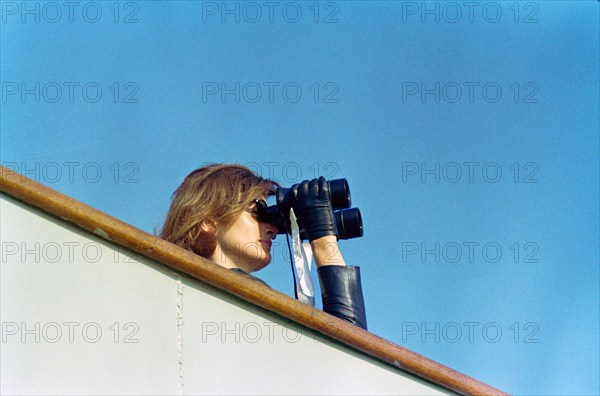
(212, 215)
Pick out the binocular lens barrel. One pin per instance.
(349, 223)
(339, 191)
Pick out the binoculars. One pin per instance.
(348, 220)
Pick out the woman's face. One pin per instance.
(245, 244)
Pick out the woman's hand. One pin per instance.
(314, 209)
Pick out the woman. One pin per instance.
(214, 214)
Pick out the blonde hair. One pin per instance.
(216, 193)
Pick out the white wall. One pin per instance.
(81, 315)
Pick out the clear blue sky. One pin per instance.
(469, 135)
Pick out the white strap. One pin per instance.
(302, 260)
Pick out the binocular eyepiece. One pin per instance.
(348, 220)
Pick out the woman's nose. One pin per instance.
(272, 230)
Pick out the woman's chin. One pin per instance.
(260, 263)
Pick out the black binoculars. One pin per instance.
(348, 220)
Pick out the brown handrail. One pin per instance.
(108, 227)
